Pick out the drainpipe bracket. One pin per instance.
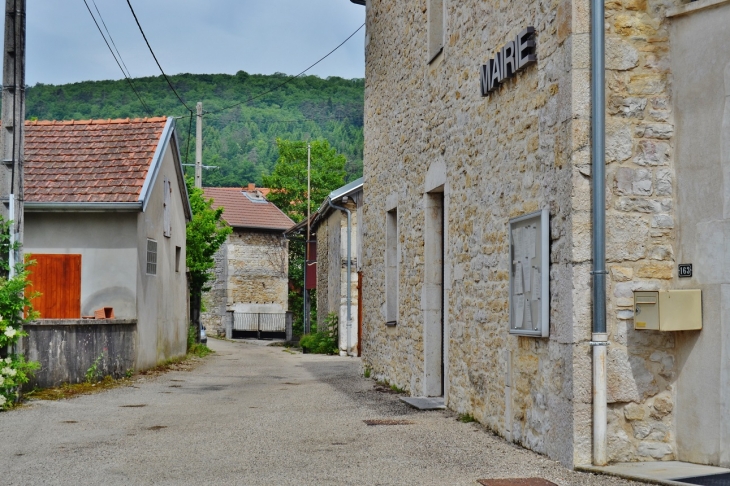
(599, 343)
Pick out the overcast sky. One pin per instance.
(193, 36)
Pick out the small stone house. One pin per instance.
(478, 113)
(105, 212)
(252, 267)
(330, 227)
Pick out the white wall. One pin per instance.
(108, 248)
(163, 298)
(701, 94)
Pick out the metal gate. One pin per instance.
(256, 322)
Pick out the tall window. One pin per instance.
(391, 268)
(436, 20)
(178, 255)
(151, 257)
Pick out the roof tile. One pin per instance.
(240, 212)
(89, 160)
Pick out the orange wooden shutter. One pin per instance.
(58, 279)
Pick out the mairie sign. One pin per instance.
(514, 56)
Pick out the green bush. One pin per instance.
(195, 348)
(325, 341)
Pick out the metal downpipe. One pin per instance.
(349, 274)
(599, 337)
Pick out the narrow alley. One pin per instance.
(256, 415)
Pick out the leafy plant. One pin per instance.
(466, 418)
(325, 341)
(288, 181)
(93, 374)
(205, 234)
(195, 348)
(15, 310)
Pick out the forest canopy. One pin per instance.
(240, 141)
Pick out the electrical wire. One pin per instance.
(111, 38)
(128, 78)
(304, 120)
(285, 82)
(155, 58)
(190, 131)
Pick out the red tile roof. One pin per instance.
(89, 161)
(241, 212)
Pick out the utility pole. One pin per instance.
(307, 324)
(199, 147)
(13, 116)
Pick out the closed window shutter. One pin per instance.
(168, 220)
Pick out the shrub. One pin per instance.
(15, 310)
(324, 341)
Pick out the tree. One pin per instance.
(288, 184)
(289, 179)
(240, 141)
(205, 234)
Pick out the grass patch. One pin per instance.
(72, 390)
(199, 350)
(384, 386)
(466, 418)
(366, 373)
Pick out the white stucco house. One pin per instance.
(105, 212)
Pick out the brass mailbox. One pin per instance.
(668, 310)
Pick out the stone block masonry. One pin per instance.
(525, 147)
(251, 276)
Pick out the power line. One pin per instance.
(111, 38)
(155, 58)
(285, 82)
(301, 120)
(190, 130)
(128, 78)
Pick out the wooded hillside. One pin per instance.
(240, 140)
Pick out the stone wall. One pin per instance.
(525, 147)
(640, 217)
(251, 276)
(504, 156)
(332, 272)
(66, 349)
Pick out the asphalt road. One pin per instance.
(254, 415)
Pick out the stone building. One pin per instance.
(252, 267)
(330, 226)
(447, 168)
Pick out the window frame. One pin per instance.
(392, 264)
(151, 256)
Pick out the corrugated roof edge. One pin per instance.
(338, 193)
